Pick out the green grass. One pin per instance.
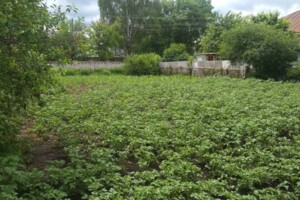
(174, 138)
(88, 72)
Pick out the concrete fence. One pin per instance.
(197, 68)
(91, 65)
(205, 68)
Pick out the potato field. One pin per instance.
(170, 138)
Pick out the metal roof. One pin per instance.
(294, 18)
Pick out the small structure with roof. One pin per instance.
(207, 57)
(294, 19)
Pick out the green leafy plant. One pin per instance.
(85, 72)
(24, 71)
(143, 64)
(176, 52)
(160, 137)
(268, 49)
(294, 72)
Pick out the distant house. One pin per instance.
(294, 19)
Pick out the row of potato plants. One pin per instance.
(170, 138)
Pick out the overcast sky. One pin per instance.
(90, 11)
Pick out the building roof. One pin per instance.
(294, 18)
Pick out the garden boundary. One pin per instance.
(197, 68)
(205, 68)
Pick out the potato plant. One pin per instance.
(173, 138)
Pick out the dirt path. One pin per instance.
(41, 150)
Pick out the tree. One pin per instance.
(69, 40)
(105, 38)
(210, 40)
(152, 25)
(270, 18)
(24, 71)
(176, 52)
(133, 15)
(185, 20)
(268, 49)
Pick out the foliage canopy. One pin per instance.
(105, 38)
(132, 14)
(211, 39)
(176, 52)
(24, 72)
(143, 64)
(268, 49)
(151, 26)
(69, 41)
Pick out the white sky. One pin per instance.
(90, 11)
(247, 7)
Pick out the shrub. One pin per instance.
(176, 52)
(269, 50)
(98, 71)
(143, 64)
(294, 72)
(24, 71)
(118, 70)
(85, 72)
(65, 71)
(70, 72)
(106, 72)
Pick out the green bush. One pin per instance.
(294, 72)
(118, 70)
(106, 72)
(85, 72)
(64, 71)
(176, 52)
(269, 50)
(143, 64)
(70, 72)
(24, 71)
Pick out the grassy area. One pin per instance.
(173, 138)
(88, 72)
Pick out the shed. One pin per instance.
(207, 57)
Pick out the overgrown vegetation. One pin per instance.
(87, 72)
(176, 52)
(105, 39)
(151, 26)
(166, 138)
(210, 40)
(24, 72)
(294, 72)
(268, 49)
(143, 64)
(125, 137)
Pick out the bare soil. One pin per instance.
(41, 150)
